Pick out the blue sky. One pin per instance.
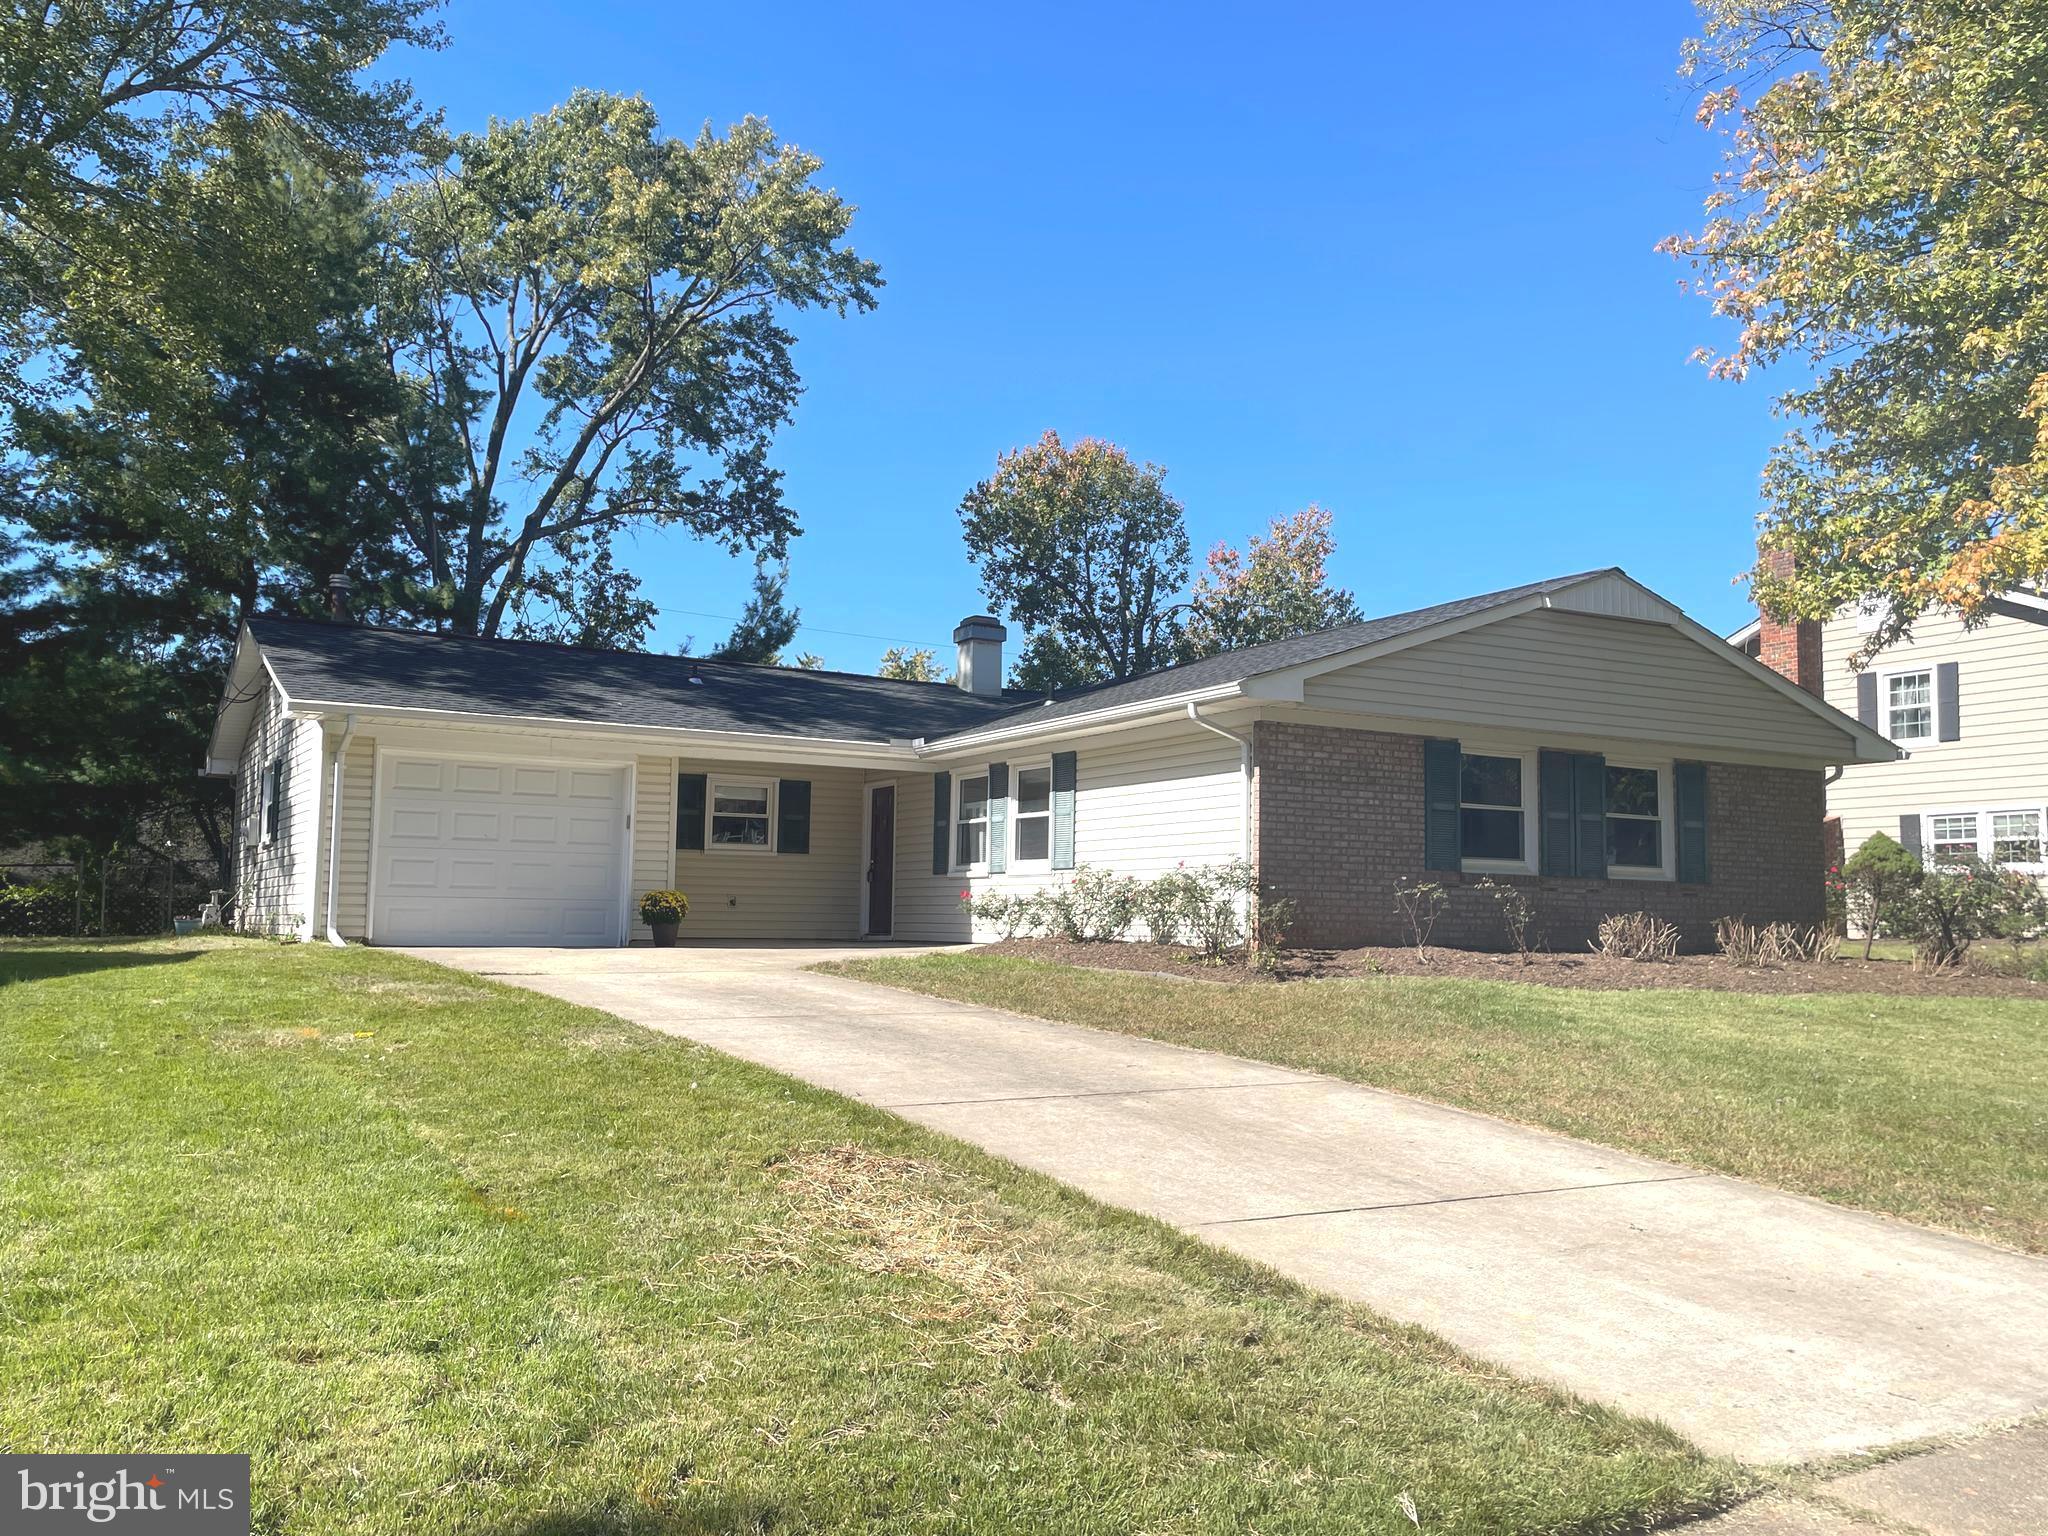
(1395, 260)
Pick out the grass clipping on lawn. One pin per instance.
(887, 1215)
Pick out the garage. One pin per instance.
(477, 851)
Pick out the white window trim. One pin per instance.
(1667, 851)
(1532, 815)
(953, 863)
(735, 781)
(1982, 816)
(1018, 864)
(1915, 744)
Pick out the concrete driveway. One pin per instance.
(1757, 1324)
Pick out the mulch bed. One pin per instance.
(1699, 973)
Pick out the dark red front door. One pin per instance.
(881, 861)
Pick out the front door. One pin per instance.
(881, 861)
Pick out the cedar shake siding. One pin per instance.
(1338, 822)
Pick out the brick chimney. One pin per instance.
(1790, 649)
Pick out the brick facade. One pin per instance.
(1337, 824)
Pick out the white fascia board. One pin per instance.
(1077, 725)
(753, 745)
(1744, 635)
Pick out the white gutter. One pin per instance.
(348, 732)
(1244, 769)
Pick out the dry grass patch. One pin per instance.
(887, 1215)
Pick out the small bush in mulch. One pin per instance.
(1700, 973)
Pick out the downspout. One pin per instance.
(348, 732)
(1244, 770)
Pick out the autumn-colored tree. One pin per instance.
(1882, 219)
(1278, 587)
(1085, 549)
(910, 664)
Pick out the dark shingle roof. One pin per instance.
(1275, 656)
(357, 665)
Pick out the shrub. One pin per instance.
(1638, 936)
(1880, 876)
(1104, 905)
(2022, 910)
(1166, 905)
(1952, 905)
(29, 910)
(1512, 903)
(1421, 903)
(664, 907)
(1774, 943)
(1004, 912)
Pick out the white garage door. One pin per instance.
(479, 852)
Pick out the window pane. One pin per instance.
(741, 799)
(1954, 836)
(1034, 791)
(1634, 844)
(1909, 700)
(740, 831)
(1034, 837)
(972, 846)
(1631, 791)
(1491, 781)
(1490, 834)
(2016, 837)
(974, 798)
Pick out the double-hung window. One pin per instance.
(1032, 839)
(740, 814)
(1954, 836)
(1493, 821)
(1909, 706)
(970, 823)
(1635, 821)
(2016, 837)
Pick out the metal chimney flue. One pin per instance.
(338, 589)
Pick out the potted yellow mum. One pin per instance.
(663, 912)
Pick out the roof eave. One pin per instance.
(1094, 719)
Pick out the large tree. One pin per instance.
(1882, 221)
(1085, 548)
(597, 311)
(1278, 587)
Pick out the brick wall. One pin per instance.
(1337, 824)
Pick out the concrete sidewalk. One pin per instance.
(1758, 1324)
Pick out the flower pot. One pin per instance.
(665, 934)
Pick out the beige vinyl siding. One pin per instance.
(2001, 760)
(352, 890)
(654, 834)
(1582, 675)
(1145, 801)
(748, 895)
(275, 879)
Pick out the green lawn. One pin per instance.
(1931, 1109)
(449, 1257)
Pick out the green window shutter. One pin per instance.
(793, 816)
(942, 821)
(1442, 764)
(1689, 785)
(1554, 797)
(998, 817)
(1589, 780)
(690, 811)
(1064, 776)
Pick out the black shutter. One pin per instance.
(1554, 788)
(1948, 703)
(1064, 776)
(793, 816)
(1866, 699)
(1589, 784)
(1442, 766)
(1689, 784)
(998, 817)
(942, 821)
(1909, 834)
(273, 800)
(690, 811)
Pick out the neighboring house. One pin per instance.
(1579, 736)
(1968, 709)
